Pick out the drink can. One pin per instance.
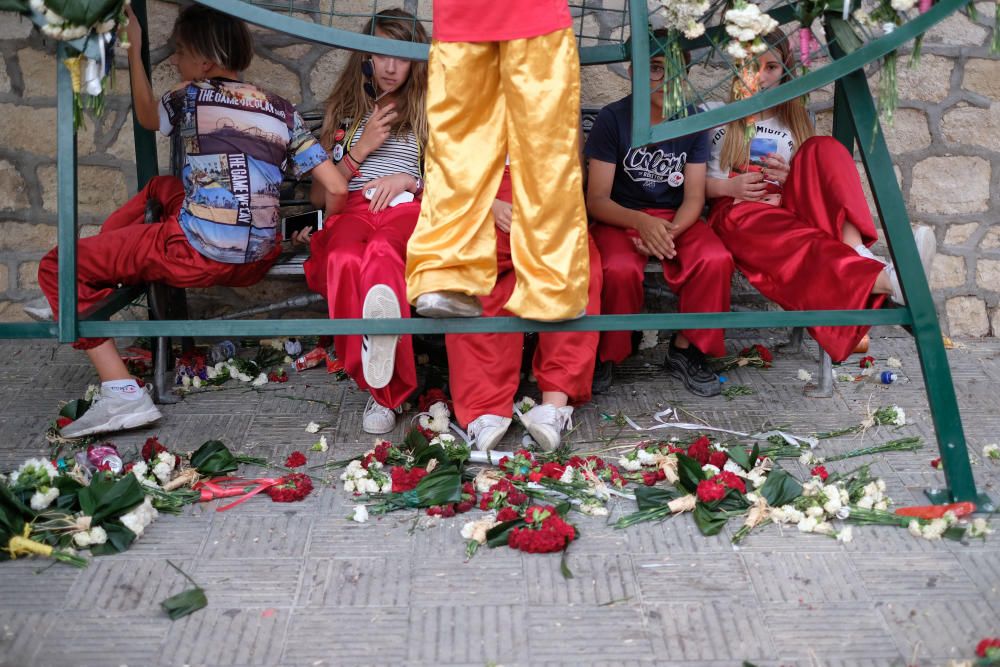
(312, 358)
(887, 377)
(105, 457)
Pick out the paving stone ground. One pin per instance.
(300, 585)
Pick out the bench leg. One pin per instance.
(158, 296)
(795, 339)
(824, 386)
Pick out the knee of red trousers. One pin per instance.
(829, 148)
(622, 277)
(48, 278)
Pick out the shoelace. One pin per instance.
(563, 417)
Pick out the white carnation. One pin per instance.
(313, 427)
(567, 475)
(629, 465)
(140, 517)
(360, 514)
(710, 470)
(992, 452)
(260, 381)
(846, 534)
(40, 500)
(893, 362)
(808, 524)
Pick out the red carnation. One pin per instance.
(718, 459)
(936, 463)
(507, 514)
(545, 532)
(295, 459)
(819, 471)
(279, 376)
(649, 478)
(63, 422)
(535, 477)
(866, 362)
(731, 481)
(382, 451)
(151, 448)
(983, 649)
(698, 450)
(290, 488)
(759, 351)
(710, 490)
(405, 480)
(553, 470)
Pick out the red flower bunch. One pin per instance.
(467, 502)
(520, 466)
(295, 459)
(507, 514)
(380, 454)
(600, 468)
(406, 480)
(432, 396)
(501, 494)
(819, 471)
(988, 648)
(936, 463)
(732, 481)
(290, 488)
(758, 351)
(63, 422)
(866, 362)
(710, 490)
(700, 451)
(718, 459)
(545, 532)
(651, 477)
(277, 376)
(151, 448)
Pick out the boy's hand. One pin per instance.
(133, 30)
(386, 189)
(749, 186)
(377, 130)
(302, 236)
(655, 235)
(502, 213)
(775, 168)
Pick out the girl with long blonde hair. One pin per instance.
(375, 128)
(790, 207)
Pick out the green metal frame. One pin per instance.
(855, 121)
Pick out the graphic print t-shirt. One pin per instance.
(771, 137)
(237, 141)
(647, 176)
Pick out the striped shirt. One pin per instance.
(395, 155)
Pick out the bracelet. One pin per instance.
(352, 165)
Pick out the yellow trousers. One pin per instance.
(487, 100)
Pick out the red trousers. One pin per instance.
(484, 368)
(700, 275)
(794, 253)
(128, 252)
(356, 250)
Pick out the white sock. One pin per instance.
(127, 389)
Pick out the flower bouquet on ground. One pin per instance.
(538, 529)
(756, 355)
(16, 531)
(69, 412)
(441, 486)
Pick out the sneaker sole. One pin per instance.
(487, 444)
(380, 362)
(543, 438)
(439, 307)
(120, 423)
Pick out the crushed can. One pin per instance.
(105, 457)
(314, 357)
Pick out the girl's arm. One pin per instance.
(652, 230)
(329, 188)
(144, 104)
(694, 199)
(749, 186)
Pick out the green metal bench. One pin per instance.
(855, 124)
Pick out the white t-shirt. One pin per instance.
(771, 137)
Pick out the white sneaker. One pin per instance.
(546, 423)
(38, 309)
(378, 353)
(448, 304)
(485, 431)
(110, 412)
(378, 419)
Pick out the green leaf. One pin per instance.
(213, 459)
(75, 409)
(183, 604)
(653, 497)
(415, 440)
(498, 535)
(85, 12)
(107, 498)
(709, 522)
(780, 488)
(19, 6)
(689, 473)
(564, 565)
(120, 538)
(844, 34)
(738, 453)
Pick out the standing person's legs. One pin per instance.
(453, 248)
(623, 268)
(540, 78)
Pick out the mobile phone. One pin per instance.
(403, 197)
(293, 224)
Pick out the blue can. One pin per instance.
(887, 377)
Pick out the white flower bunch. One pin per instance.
(42, 499)
(746, 24)
(90, 538)
(787, 514)
(140, 517)
(893, 362)
(932, 530)
(320, 446)
(873, 496)
(568, 475)
(360, 514)
(260, 381)
(991, 452)
(684, 16)
(437, 418)
(805, 375)
(40, 471)
(487, 477)
(978, 528)
(525, 404)
(358, 479)
(476, 530)
(163, 466)
(903, 5)
(443, 439)
(313, 427)
(141, 471)
(593, 508)
(809, 459)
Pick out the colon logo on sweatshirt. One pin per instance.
(656, 166)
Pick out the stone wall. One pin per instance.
(945, 140)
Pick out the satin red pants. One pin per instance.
(484, 369)
(356, 250)
(794, 253)
(128, 252)
(700, 275)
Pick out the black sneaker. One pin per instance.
(689, 366)
(604, 372)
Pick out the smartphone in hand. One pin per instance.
(293, 224)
